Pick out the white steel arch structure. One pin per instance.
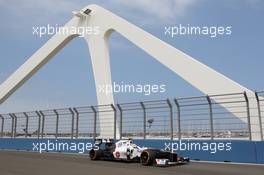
(197, 74)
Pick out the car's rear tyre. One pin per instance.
(147, 157)
(95, 154)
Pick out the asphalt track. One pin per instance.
(28, 163)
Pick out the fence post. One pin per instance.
(15, 126)
(42, 123)
(144, 119)
(114, 109)
(26, 129)
(248, 115)
(259, 115)
(171, 119)
(57, 123)
(12, 125)
(95, 118)
(77, 122)
(39, 122)
(178, 117)
(211, 116)
(72, 125)
(2, 125)
(121, 121)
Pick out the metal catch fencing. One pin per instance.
(203, 117)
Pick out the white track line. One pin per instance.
(232, 163)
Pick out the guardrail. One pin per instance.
(192, 117)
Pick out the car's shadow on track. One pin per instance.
(138, 163)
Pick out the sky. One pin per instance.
(67, 80)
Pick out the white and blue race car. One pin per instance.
(126, 150)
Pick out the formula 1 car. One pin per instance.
(126, 150)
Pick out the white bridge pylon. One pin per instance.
(194, 72)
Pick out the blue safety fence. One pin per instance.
(208, 150)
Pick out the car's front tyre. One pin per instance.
(147, 157)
